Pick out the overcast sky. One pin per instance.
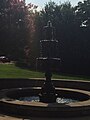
(41, 3)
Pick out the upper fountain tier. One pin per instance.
(49, 45)
(49, 32)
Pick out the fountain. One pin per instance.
(48, 55)
(55, 99)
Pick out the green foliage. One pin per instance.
(12, 28)
(83, 13)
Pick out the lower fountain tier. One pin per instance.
(10, 103)
(43, 62)
(46, 58)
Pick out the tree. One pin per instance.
(83, 13)
(13, 28)
(32, 35)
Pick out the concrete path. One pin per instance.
(4, 117)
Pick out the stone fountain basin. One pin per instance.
(10, 105)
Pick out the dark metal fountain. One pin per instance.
(49, 55)
(26, 97)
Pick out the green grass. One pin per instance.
(71, 77)
(11, 71)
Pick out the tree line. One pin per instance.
(21, 29)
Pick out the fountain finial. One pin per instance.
(49, 24)
(48, 31)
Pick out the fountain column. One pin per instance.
(48, 55)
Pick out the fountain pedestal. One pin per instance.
(48, 93)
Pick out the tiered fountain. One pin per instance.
(26, 98)
(48, 54)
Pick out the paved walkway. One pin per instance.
(4, 117)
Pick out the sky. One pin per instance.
(41, 3)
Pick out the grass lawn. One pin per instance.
(11, 71)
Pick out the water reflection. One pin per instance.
(37, 99)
